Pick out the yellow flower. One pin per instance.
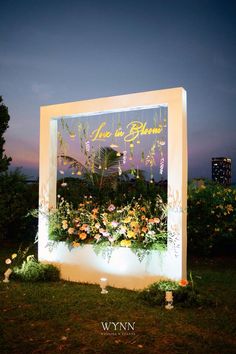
(134, 224)
(217, 230)
(127, 220)
(131, 234)
(229, 208)
(71, 230)
(14, 255)
(75, 244)
(64, 224)
(125, 243)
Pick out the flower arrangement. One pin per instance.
(139, 224)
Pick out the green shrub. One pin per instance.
(32, 270)
(183, 296)
(211, 219)
(17, 199)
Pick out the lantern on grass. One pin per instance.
(7, 275)
(169, 300)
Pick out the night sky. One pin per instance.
(60, 51)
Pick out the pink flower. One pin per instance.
(111, 207)
(105, 233)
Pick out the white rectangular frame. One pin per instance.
(176, 100)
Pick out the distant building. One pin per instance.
(221, 170)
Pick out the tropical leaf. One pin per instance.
(73, 163)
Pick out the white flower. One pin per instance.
(114, 223)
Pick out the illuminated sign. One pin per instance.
(133, 130)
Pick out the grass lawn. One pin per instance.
(65, 317)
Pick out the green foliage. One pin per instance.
(32, 270)
(211, 219)
(166, 285)
(4, 119)
(120, 191)
(17, 198)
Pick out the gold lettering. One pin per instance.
(135, 128)
(98, 134)
(119, 133)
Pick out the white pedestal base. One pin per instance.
(124, 270)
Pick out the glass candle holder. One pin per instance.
(103, 284)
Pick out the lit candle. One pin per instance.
(169, 296)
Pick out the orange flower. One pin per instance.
(137, 228)
(84, 227)
(83, 236)
(95, 211)
(156, 220)
(143, 217)
(151, 221)
(183, 282)
(143, 209)
(144, 229)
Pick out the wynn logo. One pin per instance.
(118, 326)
